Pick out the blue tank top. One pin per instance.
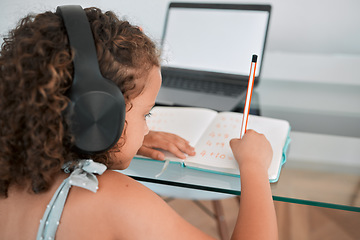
(82, 176)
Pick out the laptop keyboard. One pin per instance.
(225, 89)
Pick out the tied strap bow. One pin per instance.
(82, 176)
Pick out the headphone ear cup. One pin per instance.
(97, 121)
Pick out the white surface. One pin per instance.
(315, 35)
(312, 67)
(325, 152)
(303, 26)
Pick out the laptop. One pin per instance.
(207, 51)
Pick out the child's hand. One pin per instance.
(166, 141)
(253, 148)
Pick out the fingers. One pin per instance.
(178, 149)
(234, 142)
(253, 148)
(166, 141)
(178, 146)
(238, 141)
(151, 153)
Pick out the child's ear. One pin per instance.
(128, 106)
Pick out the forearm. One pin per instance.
(257, 217)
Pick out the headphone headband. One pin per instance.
(80, 37)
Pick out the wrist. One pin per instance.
(252, 166)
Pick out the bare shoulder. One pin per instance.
(115, 183)
(104, 211)
(119, 209)
(137, 207)
(116, 190)
(126, 196)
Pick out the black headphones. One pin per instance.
(97, 108)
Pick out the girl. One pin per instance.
(36, 146)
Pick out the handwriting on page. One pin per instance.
(214, 144)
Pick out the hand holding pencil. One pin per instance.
(253, 154)
(254, 147)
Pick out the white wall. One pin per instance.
(305, 32)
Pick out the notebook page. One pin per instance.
(188, 123)
(214, 149)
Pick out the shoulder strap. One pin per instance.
(83, 176)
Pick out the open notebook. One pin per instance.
(210, 132)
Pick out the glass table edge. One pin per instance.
(238, 193)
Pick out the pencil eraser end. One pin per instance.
(254, 58)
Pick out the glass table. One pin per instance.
(323, 160)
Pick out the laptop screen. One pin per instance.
(215, 39)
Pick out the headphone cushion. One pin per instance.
(97, 121)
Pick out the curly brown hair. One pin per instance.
(36, 71)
